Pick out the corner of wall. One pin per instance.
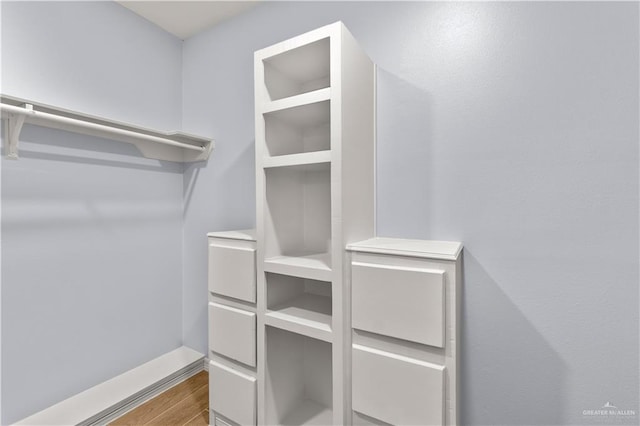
(184, 169)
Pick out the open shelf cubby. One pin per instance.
(298, 220)
(299, 304)
(298, 129)
(297, 71)
(298, 379)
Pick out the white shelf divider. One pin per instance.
(315, 266)
(307, 314)
(298, 326)
(298, 100)
(302, 159)
(301, 115)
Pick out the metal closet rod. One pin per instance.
(94, 126)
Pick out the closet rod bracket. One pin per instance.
(14, 127)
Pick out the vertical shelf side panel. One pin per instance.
(337, 249)
(261, 98)
(357, 190)
(454, 311)
(358, 134)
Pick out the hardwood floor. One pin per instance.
(187, 403)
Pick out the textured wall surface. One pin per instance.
(512, 127)
(91, 231)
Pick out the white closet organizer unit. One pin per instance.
(405, 297)
(232, 328)
(169, 146)
(315, 141)
(302, 331)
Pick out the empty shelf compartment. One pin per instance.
(301, 128)
(300, 70)
(298, 217)
(298, 379)
(300, 305)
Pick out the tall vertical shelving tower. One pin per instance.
(315, 145)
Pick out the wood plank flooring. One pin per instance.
(187, 403)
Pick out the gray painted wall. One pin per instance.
(91, 231)
(512, 127)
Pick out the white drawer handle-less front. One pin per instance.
(232, 271)
(232, 394)
(397, 389)
(401, 302)
(232, 333)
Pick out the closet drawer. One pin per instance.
(232, 271)
(219, 422)
(232, 394)
(232, 333)
(397, 389)
(401, 302)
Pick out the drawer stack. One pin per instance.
(404, 312)
(232, 328)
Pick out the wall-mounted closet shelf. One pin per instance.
(168, 146)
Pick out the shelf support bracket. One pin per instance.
(14, 127)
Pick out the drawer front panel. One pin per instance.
(232, 271)
(232, 333)
(232, 394)
(401, 302)
(397, 389)
(219, 422)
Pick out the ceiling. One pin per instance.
(186, 18)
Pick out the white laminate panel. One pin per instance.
(232, 394)
(232, 271)
(397, 389)
(232, 333)
(401, 302)
(243, 234)
(428, 249)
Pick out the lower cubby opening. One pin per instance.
(298, 379)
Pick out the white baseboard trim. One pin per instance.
(206, 364)
(111, 399)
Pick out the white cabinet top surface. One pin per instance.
(443, 250)
(243, 234)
